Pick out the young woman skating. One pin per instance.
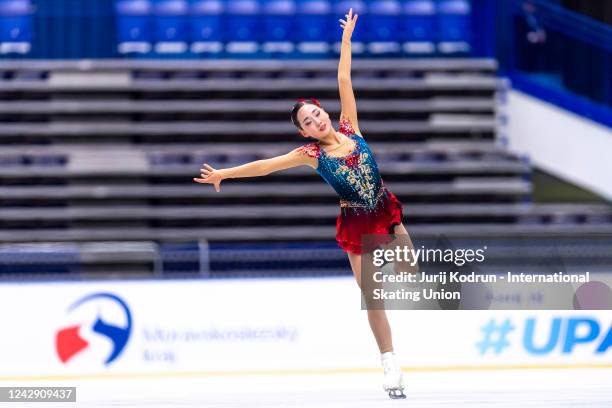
(345, 161)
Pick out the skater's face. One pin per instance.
(314, 120)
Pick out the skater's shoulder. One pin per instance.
(311, 150)
(308, 154)
(346, 126)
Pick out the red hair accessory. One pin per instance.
(313, 100)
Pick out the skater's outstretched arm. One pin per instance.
(347, 97)
(255, 168)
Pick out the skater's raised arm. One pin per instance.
(347, 97)
(255, 168)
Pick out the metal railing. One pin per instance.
(557, 55)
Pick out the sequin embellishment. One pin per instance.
(360, 178)
(345, 127)
(310, 150)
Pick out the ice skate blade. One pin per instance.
(397, 394)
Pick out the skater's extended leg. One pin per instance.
(402, 240)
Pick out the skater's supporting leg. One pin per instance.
(376, 317)
(393, 380)
(381, 329)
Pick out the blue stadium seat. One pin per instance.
(134, 29)
(171, 26)
(279, 28)
(313, 27)
(49, 160)
(419, 27)
(207, 26)
(454, 26)
(11, 161)
(384, 22)
(243, 27)
(36, 258)
(169, 159)
(15, 26)
(359, 35)
(425, 157)
(211, 158)
(241, 158)
(181, 257)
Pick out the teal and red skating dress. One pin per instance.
(367, 206)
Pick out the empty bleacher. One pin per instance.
(100, 152)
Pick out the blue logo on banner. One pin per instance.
(564, 334)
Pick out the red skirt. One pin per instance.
(353, 222)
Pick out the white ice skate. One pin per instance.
(394, 380)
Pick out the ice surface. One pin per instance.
(478, 388)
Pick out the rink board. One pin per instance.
(268, 326)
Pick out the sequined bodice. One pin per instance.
(354, 177)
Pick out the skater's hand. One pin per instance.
(348, 25)
(210, 176)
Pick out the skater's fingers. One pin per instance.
(206, 177)
(217, 184)
(208, 166)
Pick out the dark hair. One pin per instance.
(298, 105)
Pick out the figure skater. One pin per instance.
(344, 160)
